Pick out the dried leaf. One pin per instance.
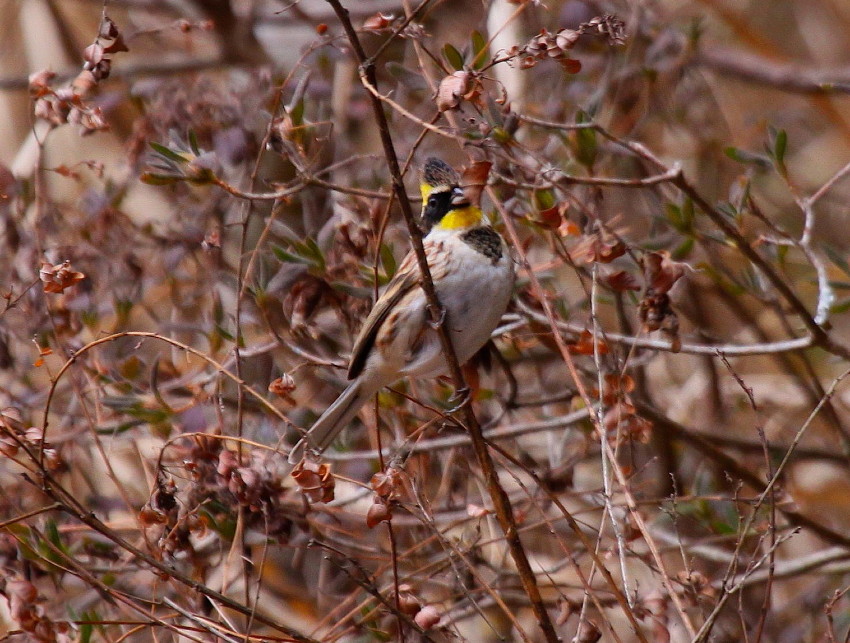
(661, 272)
(620, 281)
(474, 179)
(584, 345)
(315, 480)
(476, 511)
(378, 21)
(379, 512)
(452, 89)
(283, 387)
(427, 617)
(59, 277)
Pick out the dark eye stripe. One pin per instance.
(436, 207)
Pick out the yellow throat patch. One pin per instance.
(460, 218)
(455, 218)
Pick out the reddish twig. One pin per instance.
(501, 503)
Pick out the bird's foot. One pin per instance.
(436, 323)
(461, 398)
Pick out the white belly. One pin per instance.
(475, 293)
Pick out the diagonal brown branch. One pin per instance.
(501, 503)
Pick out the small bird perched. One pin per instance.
(473, 275)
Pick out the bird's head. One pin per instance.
(444, 203)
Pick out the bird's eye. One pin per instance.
(432, 201)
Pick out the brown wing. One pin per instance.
(402, 282)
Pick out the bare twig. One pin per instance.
(568, 360)
(787, 76)
(731, 350)
(501, 503)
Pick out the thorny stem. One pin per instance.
(729, 591)
(729, 350)
(571, 367)
(826, 295)
(600, 414)
(144, 334)
(501, 503)
(70, 507)
(819, 335)
(729, 464)
(676, 177)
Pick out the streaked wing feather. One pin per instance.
(402, 282)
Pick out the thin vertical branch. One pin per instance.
(501, 502)
(571, 367)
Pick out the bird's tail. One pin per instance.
(333, 420)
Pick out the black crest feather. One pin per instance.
(436, 172)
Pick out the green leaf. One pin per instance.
(193, 143)
(314, 251)
(453, 56)
(413, 81)
(681, 217)
(388, 260)
(223, 332)
(289, 257)
(683, 250)
(50, 554)
(168, 153)
(120, 428)
(778, 142)
(688, 213)
(87, 628)
(695, 29)
(297, 114)
(51, 530)
(350, 289)
(585, 141)
(728, 209)
(779, 145)
(479, 50)
(840, 307)
(494, 114)
(544, 199)
(781, 255)
(743, 156)
(152, 178)
(837, 258)
(721, 280)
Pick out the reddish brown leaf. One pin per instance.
(661, 272)
(550, 218)
(59, 277)
(584, 345)
(620, 281)
(570, 65)
(474, 179)
(378, 21)
(283, 387)
(379, 512)
(315, 480)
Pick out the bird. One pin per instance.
(473, 275)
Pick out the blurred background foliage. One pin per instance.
(214, 182)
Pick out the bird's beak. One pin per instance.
(459, 197)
